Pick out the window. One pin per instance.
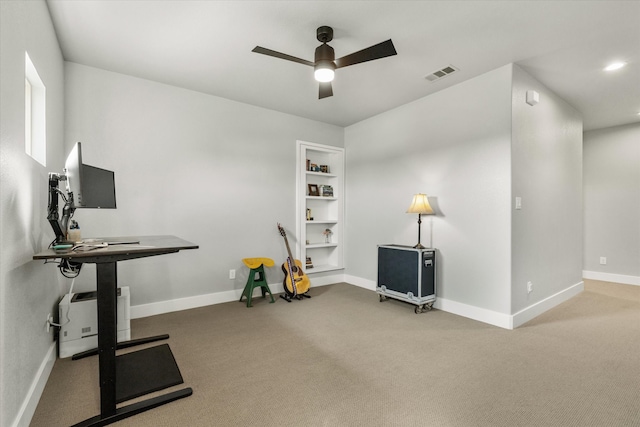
(35, 141)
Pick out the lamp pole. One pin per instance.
(419, 246)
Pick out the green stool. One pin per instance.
(256, 267)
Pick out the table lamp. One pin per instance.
(420, 205)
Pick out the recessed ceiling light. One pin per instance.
(615, 66)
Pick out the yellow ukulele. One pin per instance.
(296, 284)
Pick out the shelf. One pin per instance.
(328, 212)
(329, 175)
(321, 245)
(321, 198)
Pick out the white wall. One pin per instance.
(29, 290)
(612, 203)
(454, 146)
(212, 171)
(547, 175)
(472, 148)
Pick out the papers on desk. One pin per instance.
(111, 241)
(83, 247)
(86, 245)
(92, 244)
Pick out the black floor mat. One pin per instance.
(145, 371)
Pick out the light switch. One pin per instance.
(518, 202)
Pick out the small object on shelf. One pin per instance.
(327, 235)
(326, 191)
(309, 262)
(309, 217)
(313, 189)
(324, 168)
(308, 164)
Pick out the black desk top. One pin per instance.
(148, 246)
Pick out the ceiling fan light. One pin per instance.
(324, 71)
(324, 75)
(615, 66)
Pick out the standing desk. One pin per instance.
(106, 260)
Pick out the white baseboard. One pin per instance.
(490, 317)
(610, 277)
(161, 307)
(360, 282)
(523, 316)
(321, 281)
(453, 307)
(28, 408)
(475, 313)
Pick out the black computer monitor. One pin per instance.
(90, 186)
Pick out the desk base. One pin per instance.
(139, 373)
(135, 408)
(121, 345)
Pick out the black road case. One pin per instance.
(407, 274)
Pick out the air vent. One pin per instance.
(444, 72)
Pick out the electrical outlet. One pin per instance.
(518, 202)
(529, 287)
(603, 260)
(232, 274)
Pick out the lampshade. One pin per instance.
(324, 71)
(420, 205)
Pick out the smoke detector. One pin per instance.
(443, 72)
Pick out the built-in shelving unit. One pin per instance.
(320, 206)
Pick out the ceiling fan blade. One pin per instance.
(325, 90)
(380, 50)
(269, 52)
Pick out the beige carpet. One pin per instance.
(343, 358)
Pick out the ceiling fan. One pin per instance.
(325, 63)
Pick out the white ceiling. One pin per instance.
(206, 46)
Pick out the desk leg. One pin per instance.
(107, 286)
(135, 408)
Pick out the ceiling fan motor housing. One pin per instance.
(324, 52)
(324, 34)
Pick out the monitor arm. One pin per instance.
(59, 226)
